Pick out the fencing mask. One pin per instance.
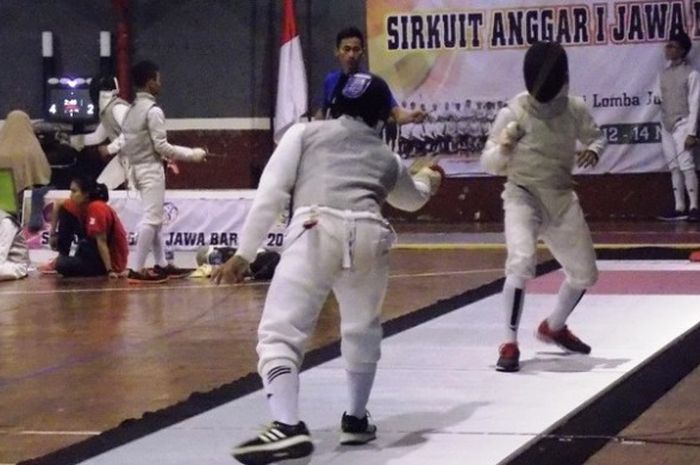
(546, 70)
(362, 95)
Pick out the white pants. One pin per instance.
(567, 237)
(673, 143)
(345, 252)
(149, 180)
(114, 174)
(10, 271)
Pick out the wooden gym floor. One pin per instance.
(81, 357)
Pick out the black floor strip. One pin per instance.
(413, 319)
(150, 422)
(583, 434)
(586, 432)
(644, 253)
(198, 403)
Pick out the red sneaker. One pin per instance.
(508, 357)
(563, 338)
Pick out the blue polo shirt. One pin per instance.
(329, 84)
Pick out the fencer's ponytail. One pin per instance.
(94, 190)
(100, 192)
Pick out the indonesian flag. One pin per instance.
(291, 79)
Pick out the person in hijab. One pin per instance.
(20, 149)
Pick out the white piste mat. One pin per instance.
(437, 398)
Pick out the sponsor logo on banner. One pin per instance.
(170, 213)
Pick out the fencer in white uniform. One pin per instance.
(112, 111)
(144, 143)
(679, 87)
(337, 173)
(533, 143)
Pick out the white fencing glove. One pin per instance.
(198, 155)
(510, 135)
(431, 175)
(77, 141)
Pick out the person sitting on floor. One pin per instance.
(20, 149)
(102, 243)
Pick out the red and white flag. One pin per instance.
(292, 88)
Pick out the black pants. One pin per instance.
(86, 261)
(262, 268)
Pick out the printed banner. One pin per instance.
(462, 62)
(192, 219)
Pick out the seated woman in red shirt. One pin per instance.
(102, 244)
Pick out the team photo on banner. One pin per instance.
(461, 64)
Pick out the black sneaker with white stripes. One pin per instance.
(356, 431)
(277, 443)
(673, 215)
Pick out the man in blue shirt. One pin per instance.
(350, 48)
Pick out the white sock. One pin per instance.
(158, 249)
(281, 382)
(567, 299)
(513, 297)
(691, 186)
(678, 182)
(143, 246)
(360, 386)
